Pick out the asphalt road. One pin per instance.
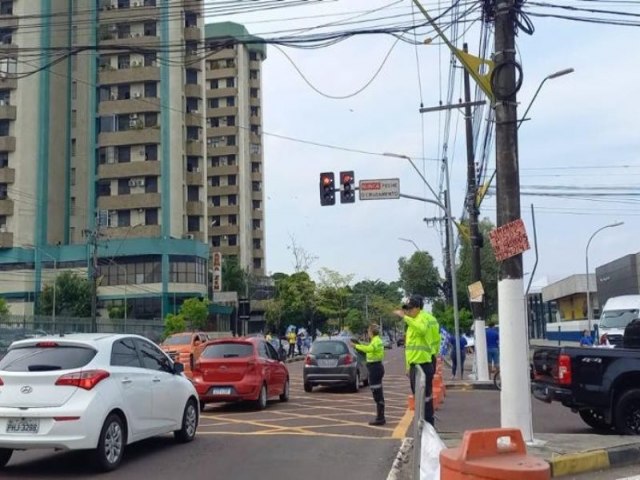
(318, 435)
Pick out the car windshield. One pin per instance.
(37, 359)
(329, 347)
(617, 318)
(228, 350)
(178, 340)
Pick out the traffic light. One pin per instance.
(327, 189)
(347, 192)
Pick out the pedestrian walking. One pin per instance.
(586, 340)
(422, 344)
(291, 337)
(454, 358)
(493, 347)
(374, 355)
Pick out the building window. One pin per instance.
(123, 61)
(192, 77)
(151, 152)
(232, 200)
(72, 208)
(4, 192)
(253, 56)
(193, 193)
(193, 164)
(124, 92)
(231, 140)
(213, 84)
(256, 187)
(73, 176)
(215, 241)
(257, 243)
(151, 216)
(214, 102)
(192, 105)
(231, 101)
(232, 219)
(257, 263)
(150, 59)
(6, 7)
(74, 118)
(232, 240)
(255, 111)
(256, 224)
(74, 90)
(215, 181)
(151, 185)
(4, 159)
(215, 200)
(253, 74)
(214, 220)
(193, 223)
(4, 128)
(124, 218)
(193, 133)
(255, 167)
(151, 89)
(123, 154)
(150, 29)
(150, 120)
(255, 129)
(123, 186)
(231, 121)
(253, 93)
(231, 180)
(231, 82)
(254, 149)
(73, 147)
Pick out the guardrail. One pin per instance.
(418, 420)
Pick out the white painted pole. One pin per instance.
(515, 396)
(482, 362)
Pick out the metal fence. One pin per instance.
(418, 421)
(14, 328)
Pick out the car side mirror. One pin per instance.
(178, 368)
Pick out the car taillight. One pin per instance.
(309, 360)
(604, 339)
(1, 382)
(46, 344)
(348, 359)
(85, 380)
(564, 370)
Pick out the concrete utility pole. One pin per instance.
(447, 256)
(477, 308)
(515, 397)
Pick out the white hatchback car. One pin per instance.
(92, 391)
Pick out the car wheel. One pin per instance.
(5, 456)
(356, 385)
(189, 423)
(111, 444)
(285, 392)
(202, 406)
(627, 413)
(594, 419)
(308, 387)
(365, 382)
(261, 403)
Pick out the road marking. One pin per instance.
(306, 434)
(403, 426)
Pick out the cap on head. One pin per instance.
(413, 301)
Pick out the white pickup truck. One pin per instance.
(616, 315)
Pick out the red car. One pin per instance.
(240, 369)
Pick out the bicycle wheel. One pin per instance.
(497, 380)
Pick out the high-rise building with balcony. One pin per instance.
(235, 163)
(110, 140)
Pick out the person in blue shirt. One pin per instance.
(463, 354)
(493, 347)
(586, 340)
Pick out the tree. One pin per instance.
(273, 315)
(333, 295)
(419, 275)
(174, 324)
(234, 277)
(489, 269)
(355, 321)
(297, 294)
(444, 315)
(4, 308)
(73, 296)
(195, 312)
(302, 259)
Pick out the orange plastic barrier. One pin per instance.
(411, 403)
(438, 385)
(482, 456)
(437, 397)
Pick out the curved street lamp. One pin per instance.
(551, 76)
(586, 254)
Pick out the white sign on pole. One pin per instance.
(379, 189)
(217, 272)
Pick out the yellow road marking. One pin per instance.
(342, 422)
(401, 429)
(309, 434)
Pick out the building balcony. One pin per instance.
(255, 120)
(258, 253)
(128, 202)
(8, 83)
(132, 105)
(256, 195)
(219, 131)
(254, 102)
(193, 34)
(7, 112)
(223, 170)
(255, 138)
(257, 233)
(222, 150)
(254, 83)
(193, 90)
(194, 119)
(257, 214)
(255, 64)
(195, 148)
(226, 210)
(224, 230)
(6, 240)
(129, 169)
(7, 175)
(222, 92)
(222, 112)
(257, 176)
(226, 190)
(8, 21)
(139, 13)
(129, 75)
(6, 207)
(194, 60)
(193, 178)
(228, 250)
(219, 73)
(225, 54)
(129, 137)
(129, 232)
(193, 5)
(7, 144)
(133, 41)
(195, 208)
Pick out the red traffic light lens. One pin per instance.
(326, 181)
(346, 179)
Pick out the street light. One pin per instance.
(452, 255)
(551, 76)
(410, 241)
(586, 255)
(55, 276)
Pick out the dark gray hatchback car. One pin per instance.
(334, 361)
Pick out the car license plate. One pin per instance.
(220, 391)
(327, 363)
(21, 425)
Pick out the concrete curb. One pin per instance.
(403, 457)
(470, 385)
(295, 359)
(574, 463)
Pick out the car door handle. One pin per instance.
(127, 380)
(156, 380)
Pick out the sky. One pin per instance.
(582, 132)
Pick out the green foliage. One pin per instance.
(4, 308)
(273, 315)
(174, 324)
(195, 312)
(419, 275)
(489, 269)
(116, 312)
(234, 277)
(333, 295)
(444, 315)
(297, 296)
(73, 296)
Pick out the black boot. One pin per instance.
(379, 420)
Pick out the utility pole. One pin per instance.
(515, 398)
(477, 308)
(447, 256)
(92, 240)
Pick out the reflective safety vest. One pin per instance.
(420, 338)
(374, 351)
(434, 334)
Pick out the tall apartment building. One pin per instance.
(235, 165)
(108, 140)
